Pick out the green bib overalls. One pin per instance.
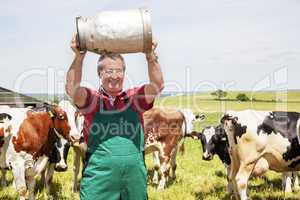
(115, 167)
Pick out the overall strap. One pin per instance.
(101, 105)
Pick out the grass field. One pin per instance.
(196, 179)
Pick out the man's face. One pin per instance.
(112, 75)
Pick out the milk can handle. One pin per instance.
(77, 36)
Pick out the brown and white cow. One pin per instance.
(34, 135)
(258, 135)
(164, 129)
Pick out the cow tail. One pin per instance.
(181, 147)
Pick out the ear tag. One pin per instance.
(50, 114)
(223, 139)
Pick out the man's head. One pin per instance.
(111, 70)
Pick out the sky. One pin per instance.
(202, 44)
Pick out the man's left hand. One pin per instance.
(151, 56)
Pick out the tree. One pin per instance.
(219, 94)
(242, 97)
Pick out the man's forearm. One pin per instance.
(74, 76)
(155, 73)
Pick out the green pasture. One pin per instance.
(196, 179)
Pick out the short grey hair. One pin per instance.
(113, 56)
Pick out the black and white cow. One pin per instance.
(214, 141)
(258, 135)
(57, 162)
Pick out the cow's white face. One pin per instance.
(79, 120)
(208, 133)
(190, 119)
(62, 148)
(71, 113)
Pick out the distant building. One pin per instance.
(14, 99)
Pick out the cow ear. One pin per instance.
(194, 135)
(200, 136)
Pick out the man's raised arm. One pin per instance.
(156, 84)
(73, 89)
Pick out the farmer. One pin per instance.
(115, 167)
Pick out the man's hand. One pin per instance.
(151, 56)
(75, 48)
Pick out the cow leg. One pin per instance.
(230, 185)
(164, 169)
(30, 177)
(48, 178)
(18, 171)
(296, 181)
(3, 177)
(287, 182)
(31, 170)
(242, 178)
(30, 182)
(156, 166)
(173, 163)
(43, 177)
(76, 168)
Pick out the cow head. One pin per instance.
(214, 141)
(60, 154)
(5, 129)
(232, 127)
(5, 126)
(211, 139)
(60, 122)
(75, 120)
(229, 121)
(190, 119)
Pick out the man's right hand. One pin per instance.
(75, 48)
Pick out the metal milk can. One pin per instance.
(126, 31)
